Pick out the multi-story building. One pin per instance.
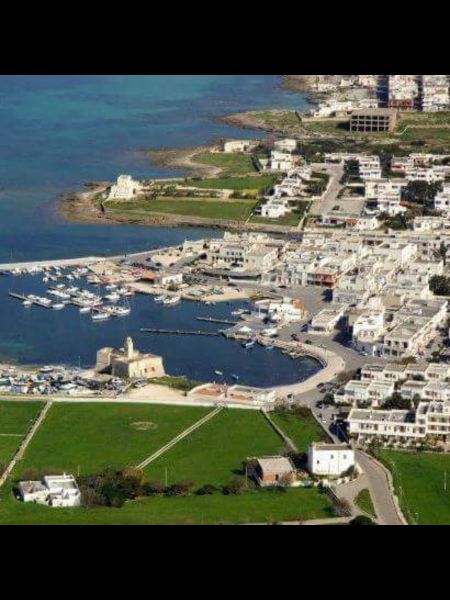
(404, 426)
(373, 120)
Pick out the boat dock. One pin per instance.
(22, 297)
(221, 321)
(180, 332)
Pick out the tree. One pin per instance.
(362, 520)
(422, 192)
(396, 401)
(440, 285)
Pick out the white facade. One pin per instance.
(330, 460)
(126, 188)
(54, 490)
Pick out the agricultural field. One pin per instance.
(251, 183)
(88, 437)
(238, 210)
(231, 164)
(419, 481)
(302, 431)
(16, 419)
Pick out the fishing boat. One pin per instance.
(235, 377)
(85, 309)
(121, 311)
(159, 299)
(27, 303)
(46, 369)
(219, 373)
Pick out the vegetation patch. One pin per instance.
(420, 484)
(230, 163)
(364, 501)
(88, 437)
(255, 182)
(208, 209)
(300, 427)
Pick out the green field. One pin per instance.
(231, 164)
(300, 430)
(16, 419)
(238, 210)
(255, 182)
(419, 480)
(364, 501)
(216, 451)
(254, 507)
(94, 436)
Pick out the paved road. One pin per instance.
(330, 198)
(382, 497)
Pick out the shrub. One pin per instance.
(179, 489)
(207, 490)
(153, 488)
(362, 520)
(235, 487)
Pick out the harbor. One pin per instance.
(69, 337)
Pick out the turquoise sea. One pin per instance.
(61, 131)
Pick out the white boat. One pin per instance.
(112, 297)
(85, 309)
(58, 306)
(100, 316)
(120, 311)
(160, 298)
(27, 303)
(248, 344)
(172, 300)
(46, 369)
(219, 373)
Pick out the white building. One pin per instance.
(442, 201)
(54, 490)
(236, 146)
(330, 460)
(126, 188)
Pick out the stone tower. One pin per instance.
(129, 348)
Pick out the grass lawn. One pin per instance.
(230, 163)
(177, 383)
(419, 483)
(302, 431)
(364, 501)
(94, 436)
(15, 420)
(216, 451)
(253, 507)
(238, 210)
(255, 182)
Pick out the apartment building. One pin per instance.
(404, 426)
